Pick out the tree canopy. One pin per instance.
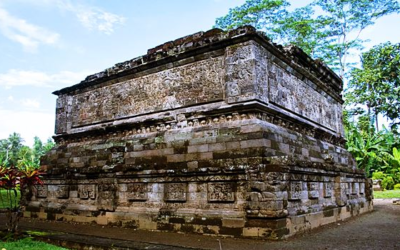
(377, 83)
(12, 150)
(329, 36)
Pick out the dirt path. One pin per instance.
(377, 230)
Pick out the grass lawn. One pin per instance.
(30, 244)
(388, 194)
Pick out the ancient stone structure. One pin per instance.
(216, 133)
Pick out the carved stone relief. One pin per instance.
(137, 192)
(41, 191)
(106, 196)
(295, 190)
(355, 188)
(220, 192)
(167, 89)
(175, 192)
(313, 190)
(87, 191)
(362, 188)
(62, 191)
(341, 195)
(295, 95)
(328, 189)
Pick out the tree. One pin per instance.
(10, 148)
(377, 84)
(330, 36)
(261, 14)
(347, 17)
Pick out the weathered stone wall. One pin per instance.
(221, 133)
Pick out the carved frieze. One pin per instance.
(175, 192)
(362, 188)
(163, 90)
(355, 188)
(328, 189)
(313, 190)
(285, 89)
(220, 192)
(349, 188)
(106, 196)
(341, 193)
(137, 192)
(41, 191)
(295, 190)
(62, 191)
(87, 191)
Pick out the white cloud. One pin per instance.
(97, 19)
(15, 78)
(28, 124)
(30, 103)
(28, 35)
(91, 17)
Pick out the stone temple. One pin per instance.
(217, 133)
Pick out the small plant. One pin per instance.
(397, 186)
(388, 183)
(378, 175)
(15, 182)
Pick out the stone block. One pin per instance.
(233, 222)
(198, 148)
(251, 232)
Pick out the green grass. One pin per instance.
(388, 194)
(30, 244)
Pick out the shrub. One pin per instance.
(378, 175)
(388, 183)
(397, 186)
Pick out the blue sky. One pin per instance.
(46, 45)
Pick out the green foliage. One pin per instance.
(30, 244)
(387, 183)
(262, 14)
(12, 150)
(397, 186)
(329, 36)
(377, 84)
(378, 175)
(19, 173)
(369, 150)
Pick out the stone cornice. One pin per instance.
(205, 118)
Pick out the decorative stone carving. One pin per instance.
(106, 196)
(62, 191)
(41, 191)
(355, 188)
(341, 192)
(313, 190)
(220, 192)
(175, 192)
(137, 192)
(328, 189)
(349, 188)
(362, 187)
(87, 192)
(233, 89)
(296, 188)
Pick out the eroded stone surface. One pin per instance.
(214, 133)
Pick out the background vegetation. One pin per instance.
(330, 31)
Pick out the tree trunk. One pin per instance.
(13, 218)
